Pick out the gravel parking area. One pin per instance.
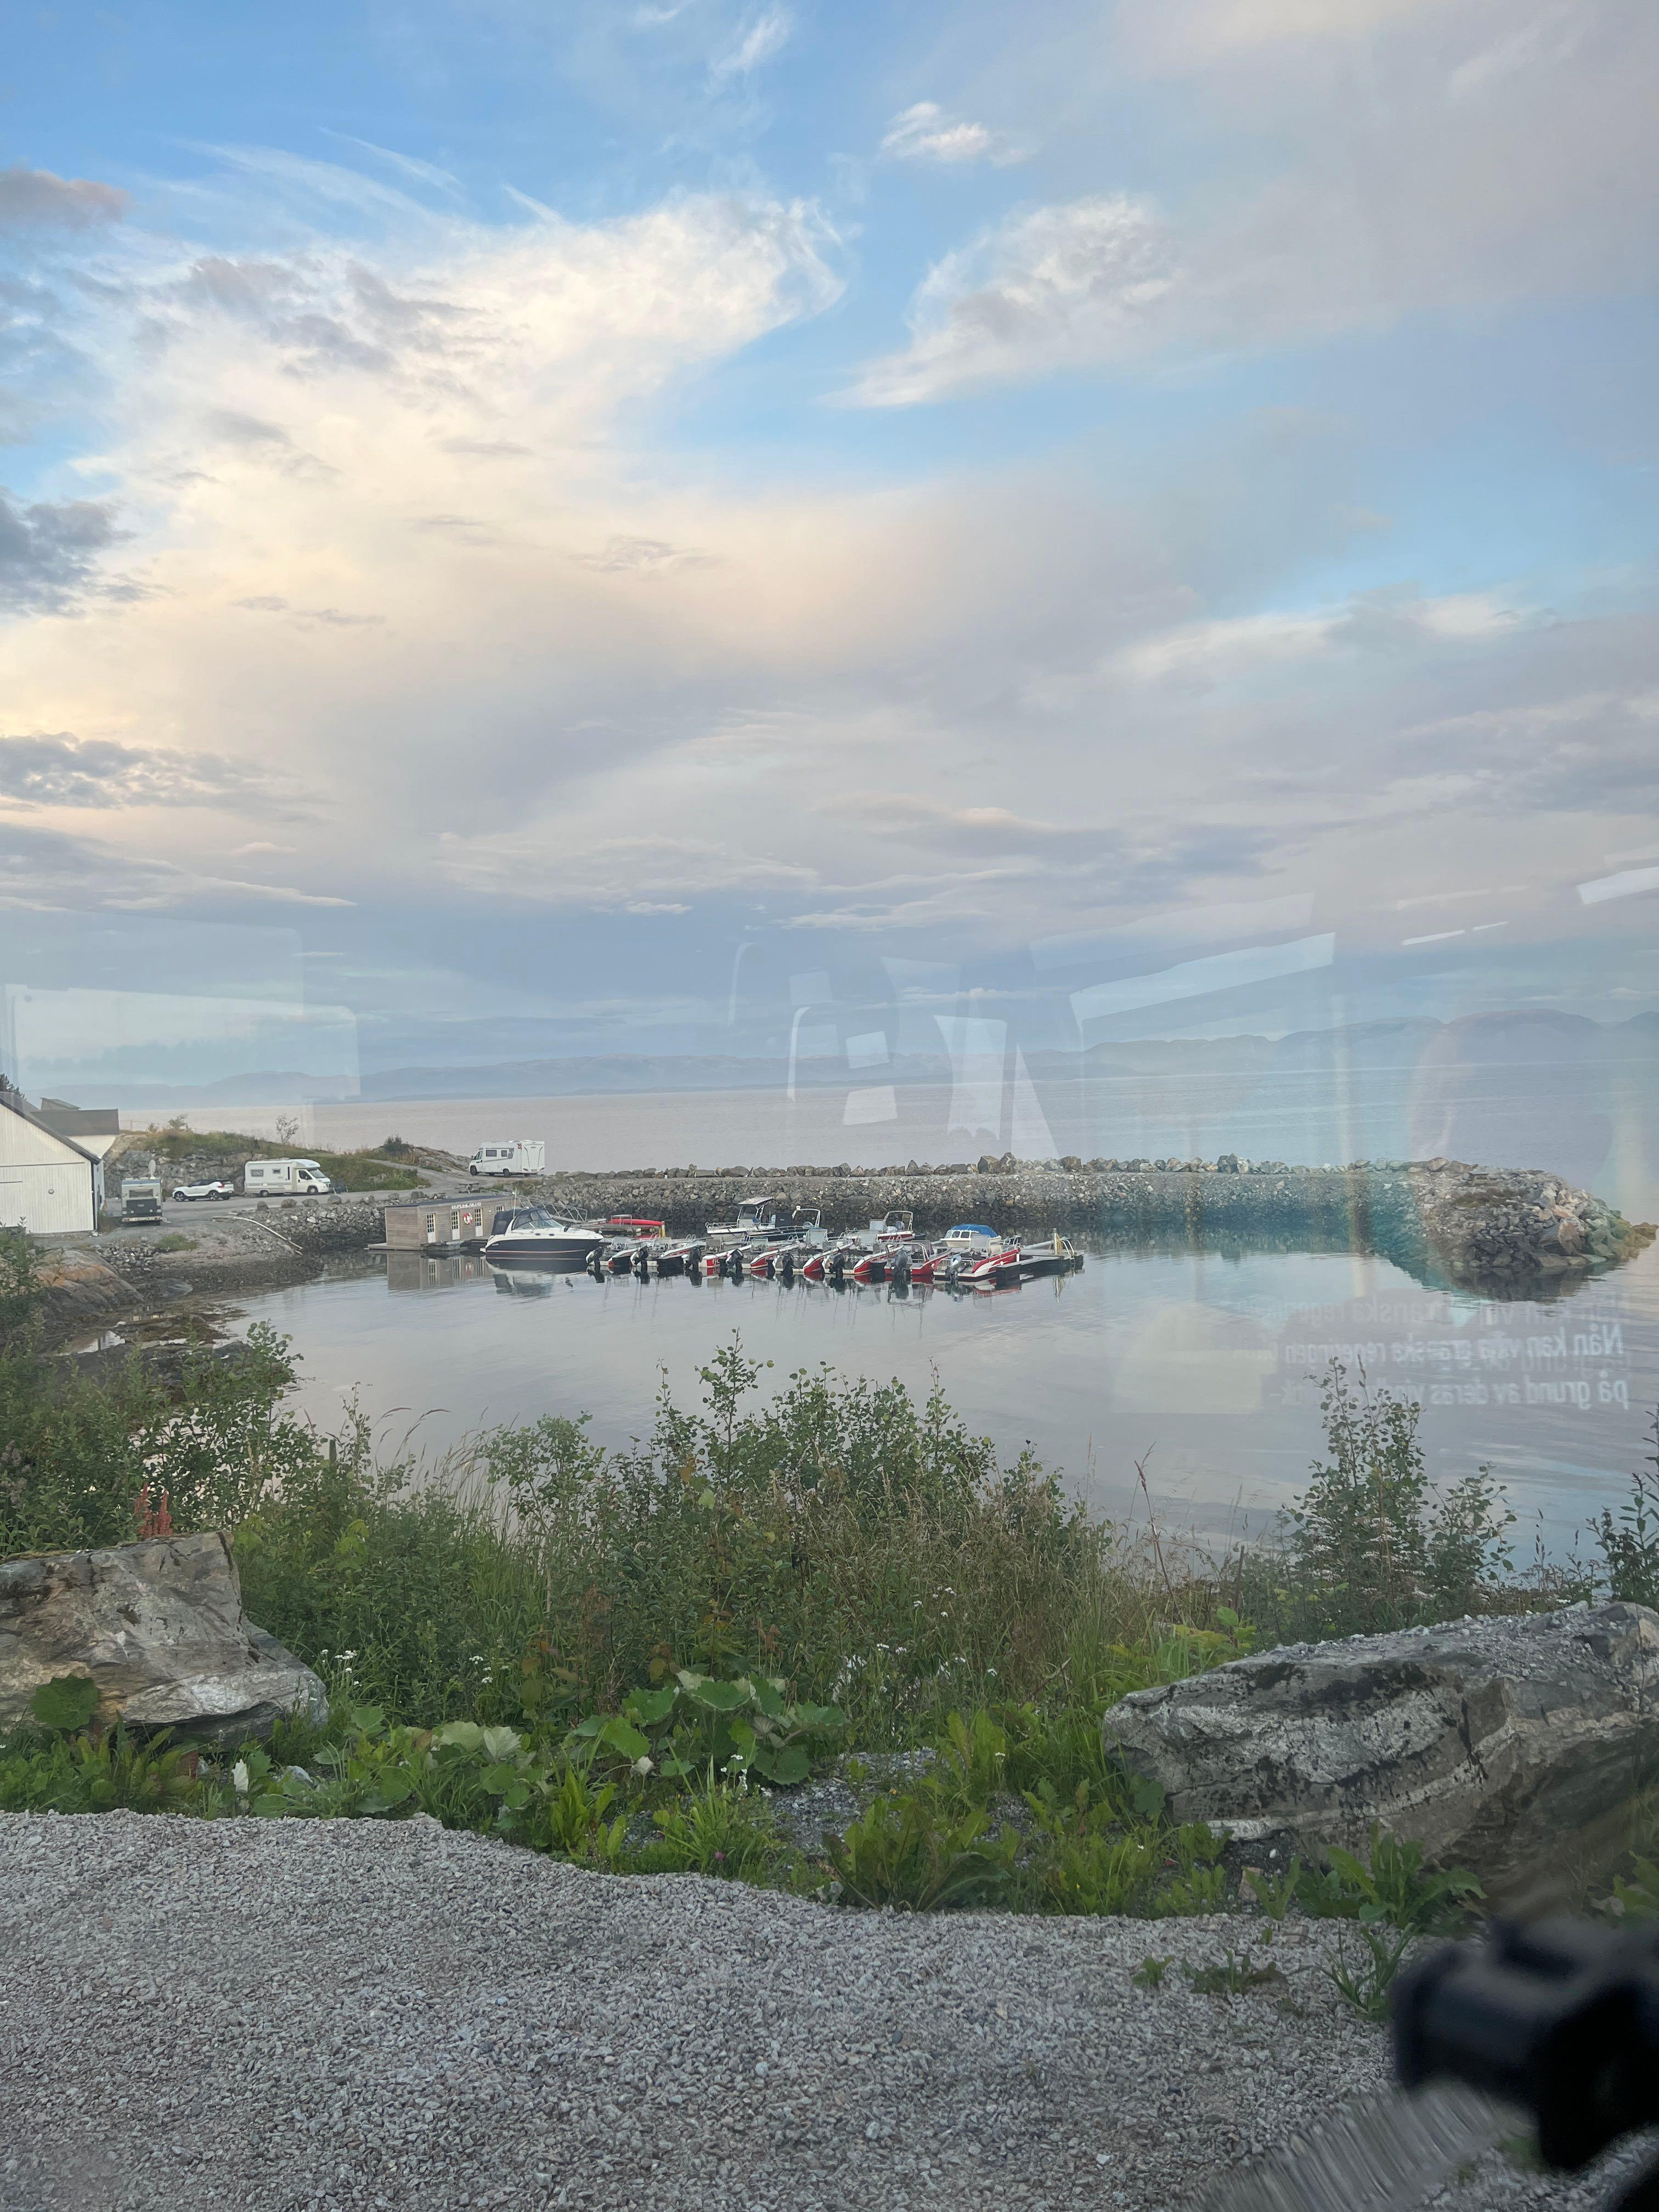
(271, 2015)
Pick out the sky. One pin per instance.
(604, 528)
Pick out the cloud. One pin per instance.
(1050, 288)
(1443, 171)
(1394, 620)
(766, 35)
(60, 770)
(48, 551)
(925, 133)
(36, 196)
(600, 676)
(47, 871)
(638, 556)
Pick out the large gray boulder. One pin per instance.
(1511, 1746)
(159, 1627)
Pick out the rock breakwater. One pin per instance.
(1520, 1232)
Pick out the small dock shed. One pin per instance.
(442, 1225)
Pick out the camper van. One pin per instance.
(141, 1198)
(283, 1179)
(516, 1155)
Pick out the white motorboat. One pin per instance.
(769, 1219)
(1056, 1255)
(531, 1232)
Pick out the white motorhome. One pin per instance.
(513, 1155)
(283, 1178)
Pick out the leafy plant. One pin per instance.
(1194, 1881)
(112, 1772)
(1149, 1974)
(1365, 1979)
(715, 1829)
(576, 1824)
(1629, 1540)
(1639, 1898)
(1275, 1893)
(905, 1851)
(973, 1759)
(1372, 1545)
(1231, 1976)
(742, 1726)
(1390, 1888)
(1083, 1860)
(66, 1704)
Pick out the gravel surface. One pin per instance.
(269, 2015)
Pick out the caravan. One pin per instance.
(284, 1179)
(514, 1155)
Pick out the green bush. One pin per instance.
(1372, 1545)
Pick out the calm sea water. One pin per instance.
(1202, 1368)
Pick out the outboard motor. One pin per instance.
(642, 1263)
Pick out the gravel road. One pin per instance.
(268, 2015)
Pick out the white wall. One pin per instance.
(44, 1184)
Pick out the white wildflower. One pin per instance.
(644, 1765)
(239, 1779)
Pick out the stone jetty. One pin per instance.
(1520, 1232)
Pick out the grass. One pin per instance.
(226, 1149)
(620, 1657)
(364, 1171)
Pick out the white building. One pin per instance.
(47, 1182)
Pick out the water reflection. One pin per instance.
(433, 1271)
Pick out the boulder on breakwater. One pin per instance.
(1520, 1232)
(1509, 1745)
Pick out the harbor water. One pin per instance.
(1201, 1369)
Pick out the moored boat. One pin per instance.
(1056, 1255)
(531, 1232)
(772, 1220)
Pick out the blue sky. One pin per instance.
(530, 498)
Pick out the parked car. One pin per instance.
(188, 1190)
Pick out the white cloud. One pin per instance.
(1211, 651)
(926, 133)
(1052, 288)
(767, 35)
(1443, 170)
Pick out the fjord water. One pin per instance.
(1203, 1368)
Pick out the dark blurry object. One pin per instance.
(1558, 2017)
